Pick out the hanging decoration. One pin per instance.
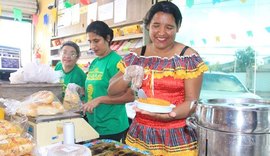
(217, 38)
(67, 4)
(46, 19)
(189, 3)
(54, 15)
(35, 19)
(267, 29)
(85, 2)
(17, 14)
(243, 1)
(204, 40)
(233, 36)
(249, 33)
(216, 1)
(192, 42)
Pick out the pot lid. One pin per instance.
(237, 104)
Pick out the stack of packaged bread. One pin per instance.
(12, 141)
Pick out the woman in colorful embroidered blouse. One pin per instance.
(173, 72)
(106, 114)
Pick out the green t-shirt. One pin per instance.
(106, 119)
(76, 75)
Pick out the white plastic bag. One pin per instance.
(35, 72)
(17, 77)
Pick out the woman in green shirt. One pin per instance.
(107, 115)
(71, 73)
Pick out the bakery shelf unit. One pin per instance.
(56, 43)
(128, 34)
(126, 38)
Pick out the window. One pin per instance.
(18, 35)
(231, 36)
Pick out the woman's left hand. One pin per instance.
(89, 106)
(159, 116)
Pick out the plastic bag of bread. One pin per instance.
(41, 103)
(13, 124)
(16, 146)
(72, 101)
(9, 129)
(14, 139)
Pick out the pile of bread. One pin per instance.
(11, 141)
(41, 103)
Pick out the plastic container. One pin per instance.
(69, 150)
(69, 133)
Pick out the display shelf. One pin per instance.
(67, 36)
(127, 37)
(126, 24)
(127, 30)
(82, 44)
(128, 34)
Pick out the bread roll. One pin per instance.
(50, 109)
(42, 97)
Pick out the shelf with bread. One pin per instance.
(56, 43)
(125, 38)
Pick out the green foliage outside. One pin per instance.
(245, 58)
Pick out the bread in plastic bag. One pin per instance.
(9, 129)
(21, 144)
(72, 101)
(14, 137)
(41, 103)
(17, 146)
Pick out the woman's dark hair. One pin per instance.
(166, 7)
(100, 28)
(74, 45)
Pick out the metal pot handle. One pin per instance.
(193, 105)
(191, 122)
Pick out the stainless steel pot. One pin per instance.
(234, 115)
(232, 127)
(218, 143)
